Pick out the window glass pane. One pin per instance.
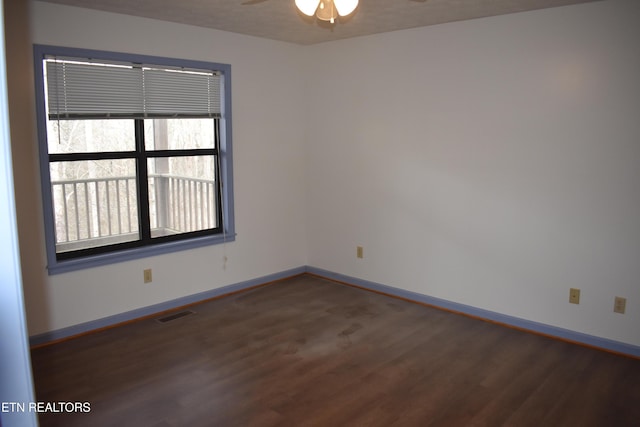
(94, 203)
(105, 119)
(179, 134)
(90, 136)
(182, 194)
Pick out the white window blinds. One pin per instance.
(81, 89)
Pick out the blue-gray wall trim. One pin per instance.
(158, 308)
(540, 328)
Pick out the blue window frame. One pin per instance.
(135, 155)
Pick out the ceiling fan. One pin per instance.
(325, 10)
(250, 2)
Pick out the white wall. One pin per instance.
(493, 162)
(268, 171)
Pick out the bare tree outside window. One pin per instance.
(134, 151)
(96, 201)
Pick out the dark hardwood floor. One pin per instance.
(309, 352)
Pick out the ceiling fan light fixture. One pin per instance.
(327, 10)
(308, 7)
(345, 7)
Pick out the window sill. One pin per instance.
(66, 266)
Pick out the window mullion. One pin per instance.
(70, 157)
(111, 194)
(142, 180)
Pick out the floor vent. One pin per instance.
(174, 316)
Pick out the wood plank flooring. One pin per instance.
(310, 352)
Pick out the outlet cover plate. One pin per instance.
(574, 296)
(620, 305)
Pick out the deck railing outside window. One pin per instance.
(102, 211)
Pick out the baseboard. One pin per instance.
(117, 319)
(515, 322)
(492, 316)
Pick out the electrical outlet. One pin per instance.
(359, 251)
(619, 305)
(148, 277)
(574, 296)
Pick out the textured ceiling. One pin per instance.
(280, 20)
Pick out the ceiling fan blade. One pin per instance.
(250, 2)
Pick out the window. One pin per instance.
(135, 155)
